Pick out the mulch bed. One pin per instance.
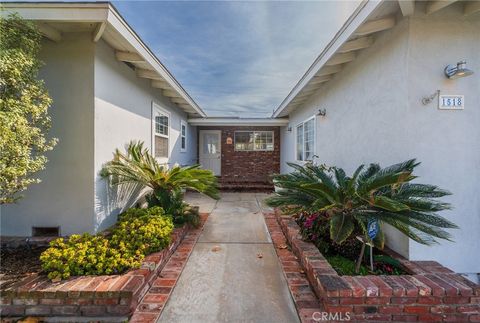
(20, 261)
(111, 296)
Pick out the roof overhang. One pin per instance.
(238, 122)
(103, 21)
(359, 32)
(315, 76)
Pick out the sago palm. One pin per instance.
(383, 194)
(137, 165)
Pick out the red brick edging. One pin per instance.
(305, 300)
(100, 296)
(152, 304)
(432, 293)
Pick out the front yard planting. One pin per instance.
(139, 232)
(334, 225)
(165, 185)
(114, 296)
(107, 274)
(343, 215)
(429, 293)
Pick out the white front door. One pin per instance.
(211, 151)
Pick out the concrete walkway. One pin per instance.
(233, 273)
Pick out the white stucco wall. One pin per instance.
(65, 197)
(448, 142)
(374, 114)
(123, 109)
(98, 105)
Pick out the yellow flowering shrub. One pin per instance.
(142, 231)
(138, 233)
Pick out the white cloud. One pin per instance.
(238, 58)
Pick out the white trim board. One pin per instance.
(238, 122)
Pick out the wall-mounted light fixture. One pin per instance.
(457, 71)
(289, 128)
(322, 112)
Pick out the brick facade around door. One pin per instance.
(247, 169)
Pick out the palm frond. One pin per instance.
(137, 165)
(385, 194)
(421, 190)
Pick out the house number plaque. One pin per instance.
(451, 102)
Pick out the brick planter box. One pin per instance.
(114, 296)
(432, 293)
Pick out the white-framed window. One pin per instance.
(254, 141)
(160, 132)
(183, 136)
(305, 140)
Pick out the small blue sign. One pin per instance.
(372, 228)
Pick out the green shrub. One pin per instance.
(166, 184)
(385, 195)
(345, 266)
(315, 227)
(142, 234)
(82, 255)
(139, 212)
(137, 233)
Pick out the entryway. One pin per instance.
(210, 150)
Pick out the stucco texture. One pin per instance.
(123, 112)
(99, 104)
(65, 196)
(375, 114)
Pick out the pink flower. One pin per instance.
(310, 221)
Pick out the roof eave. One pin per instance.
(278, 122)
(106, 13)
(358, 17)
(116, 20)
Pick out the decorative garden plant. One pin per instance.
(350, 203)
(137, 165)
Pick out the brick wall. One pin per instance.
(107, 296)
(247, 167)
(432, 293)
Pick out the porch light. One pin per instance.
(460, 70)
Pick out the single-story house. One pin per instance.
(108, 88)
(379, 92)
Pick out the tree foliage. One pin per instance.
(24, 103)
(372, 193)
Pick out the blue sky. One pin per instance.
(236, 58)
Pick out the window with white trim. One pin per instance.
(161, 127)
(306, 140)
(254, 141)
(183, 136)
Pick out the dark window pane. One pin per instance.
(300, 142)
(244, 140)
